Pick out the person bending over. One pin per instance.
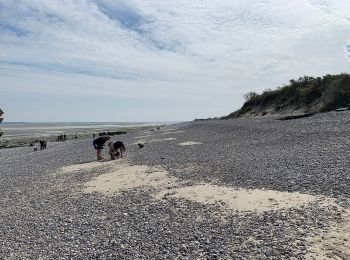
(116, 148)
(99, 144)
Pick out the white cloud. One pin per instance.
(169, 49)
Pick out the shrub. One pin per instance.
(250, 95)
(332, 90)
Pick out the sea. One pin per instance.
(30, 129)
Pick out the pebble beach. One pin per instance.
(253, 188)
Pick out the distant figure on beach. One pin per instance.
(93, 135)
(116, 148)
(76, 136)
(43, 144)
(64, 137)
(99, 144)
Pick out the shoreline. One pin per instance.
(33, 140)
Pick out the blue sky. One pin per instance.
(156, 60)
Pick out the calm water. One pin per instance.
(15, 130)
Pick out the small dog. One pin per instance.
(35, 149)
(140, 145)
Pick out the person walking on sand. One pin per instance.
(41, 142)
(99, 144)
(116, 148)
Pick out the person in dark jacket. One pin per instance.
(99, 144)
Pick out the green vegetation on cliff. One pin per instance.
(1, 118)
(305, 95)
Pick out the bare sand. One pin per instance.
(143, 141)
(150, 134)
(240, 199)
(86, 166)
(120, 176)
(126, 177)
(189, 143)
(333, 244)
(142, 136)
(172, 132)
(162, 139)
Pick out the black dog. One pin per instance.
(140, 145)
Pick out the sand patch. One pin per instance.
(140, 141)
(142, 136)
(171, 132)
(160, 140)
(189, 143)
(123, 176)
(154, 140)
(239, 199)
(85, 166)
(126, 177)
(334, 244)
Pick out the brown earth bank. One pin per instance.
(254, 188)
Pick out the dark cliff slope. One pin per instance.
(1, 118)
(305, 95)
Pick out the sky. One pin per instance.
(160, 60)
